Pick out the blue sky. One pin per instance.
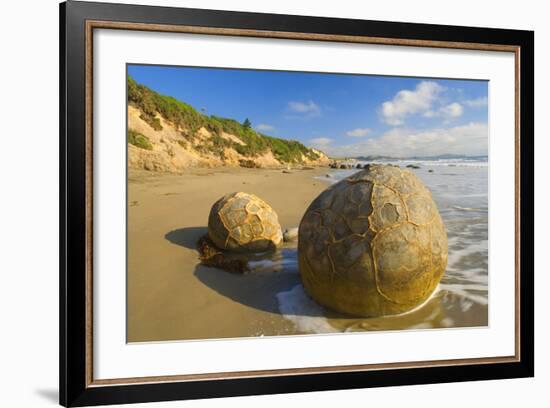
(343, 115)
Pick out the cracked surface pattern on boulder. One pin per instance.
(243, 222)
(373, 244)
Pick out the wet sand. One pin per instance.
(170, 295)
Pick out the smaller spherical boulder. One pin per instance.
(242, 222)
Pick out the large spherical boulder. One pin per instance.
(372, 244)
(242, 222)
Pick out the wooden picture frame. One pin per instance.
(78, 20)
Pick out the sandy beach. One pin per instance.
(171, 296)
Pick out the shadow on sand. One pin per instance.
(186, 237)
(257, 290)
(270, 275)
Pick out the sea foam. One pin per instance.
(296, 306)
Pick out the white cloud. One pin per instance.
(407, 102)
(264, 127)
(309, 108)
(451, 111)
(320, 142)
(470, 139)
(477, 103)
(358, 132)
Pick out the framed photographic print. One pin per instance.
(256, 203)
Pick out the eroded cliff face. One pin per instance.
(172, 149)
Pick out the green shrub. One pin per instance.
(139, 140)
(290, 151)
(219, 141)
(152, 121)
(150, 103)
